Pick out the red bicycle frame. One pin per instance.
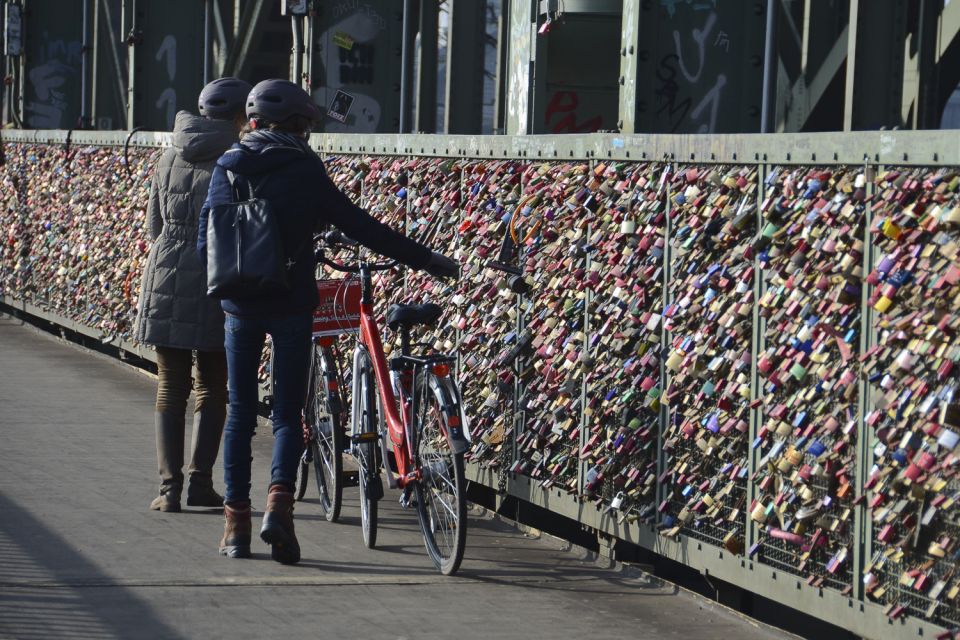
(396, 424)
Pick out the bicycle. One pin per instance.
(427, 431)
(323, 418)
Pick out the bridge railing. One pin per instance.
(737, 351)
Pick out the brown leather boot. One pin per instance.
(236, 530)
(277, 529)
(168, 500)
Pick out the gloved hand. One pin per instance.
(440, 266)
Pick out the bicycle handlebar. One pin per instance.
(337, 238)
(383, 266)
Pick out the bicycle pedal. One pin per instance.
(374, 489)
(350, 478)
(408, 499)
(365, 437)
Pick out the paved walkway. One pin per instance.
(81, 556)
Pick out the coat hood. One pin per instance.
(262, 151)
(199, 139)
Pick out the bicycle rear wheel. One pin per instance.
(365, 421)
(441, 493)
(303, 475)
(324, 419)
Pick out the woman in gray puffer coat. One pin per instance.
(175, 315)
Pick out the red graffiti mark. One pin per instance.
(566, 102)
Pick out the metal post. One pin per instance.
(862, 522)
(928, 100)
(95, 72)
(502, 70)
(875, 40)
(667, 289)
(129, 17)
(296, 72)
(518, 93)
(581, 418)
(629, 41)
(758, 344)
(207, 11)
(85, 68)
(427, 67)
(770, 64)
(115, 57)
(463, 112)
(222, 43)
(20, 107)
(406, 67)
(309, 41)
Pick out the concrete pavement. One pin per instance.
(81, 556)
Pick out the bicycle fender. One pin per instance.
(457, 430)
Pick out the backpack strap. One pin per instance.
(249, 188)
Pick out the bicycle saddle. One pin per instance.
(407, 315)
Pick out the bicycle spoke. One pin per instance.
(446, 506)
(441, 491)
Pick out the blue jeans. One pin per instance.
(245, 335)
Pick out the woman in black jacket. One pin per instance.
(174, 314)
(273, 157)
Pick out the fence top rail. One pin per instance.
(926, 148)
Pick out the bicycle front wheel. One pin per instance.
(365, 423)
(441, 492)
(326, 437)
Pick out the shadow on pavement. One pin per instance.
(42, 594)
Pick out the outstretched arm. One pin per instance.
(365, 229)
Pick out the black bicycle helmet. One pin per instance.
(223, 98)
(276, 100)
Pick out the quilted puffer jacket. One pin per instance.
(174, 310)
